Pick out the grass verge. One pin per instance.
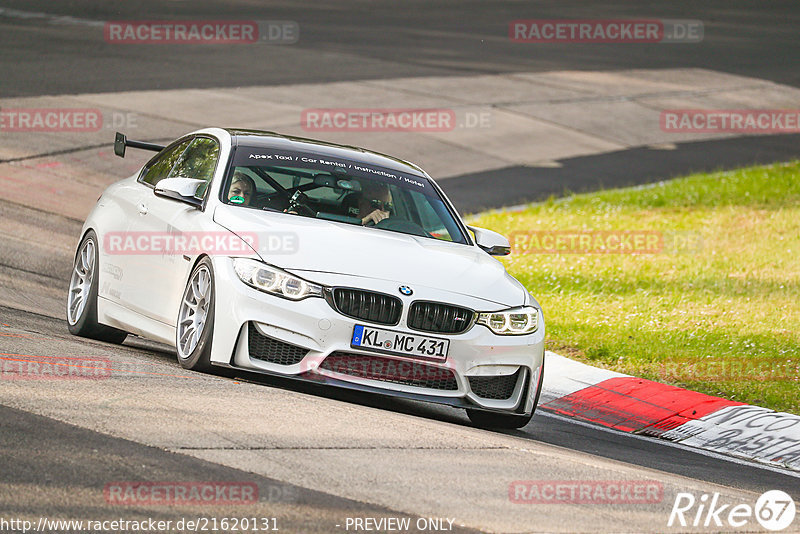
(706, 298)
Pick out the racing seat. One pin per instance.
(349, 204)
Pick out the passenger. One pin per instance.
(242, 189)
(375, 203)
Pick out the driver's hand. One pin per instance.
(376, 217)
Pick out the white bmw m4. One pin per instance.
(265, 253)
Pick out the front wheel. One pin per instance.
(195, 326)
(507, 420)
(82, 296)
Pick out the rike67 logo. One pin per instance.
(774, 510)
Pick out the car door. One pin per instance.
(132, 203)
(162, 273)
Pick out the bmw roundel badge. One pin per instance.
(405, 290)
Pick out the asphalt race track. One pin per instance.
(321, 458)
(366, 40)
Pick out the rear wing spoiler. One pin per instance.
(121, 143)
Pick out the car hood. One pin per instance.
(302, 244)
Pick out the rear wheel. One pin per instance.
(82, 296)
(486, 419)
(196, 319)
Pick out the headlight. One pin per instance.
(513, 322)
(273, 280)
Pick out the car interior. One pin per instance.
(335, 196)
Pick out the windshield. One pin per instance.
(346, 191)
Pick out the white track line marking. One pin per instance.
(52, 19)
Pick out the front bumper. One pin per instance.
(314, 332)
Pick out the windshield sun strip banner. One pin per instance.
(263, 157)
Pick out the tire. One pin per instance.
(195, 326)
(486, 419)
(82, 295)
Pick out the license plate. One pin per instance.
(401, 343)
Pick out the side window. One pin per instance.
(160, 167)
(198, 162)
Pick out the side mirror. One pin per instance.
(492, 243)
(182, 189)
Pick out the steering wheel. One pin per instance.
(298, 204)
(403, 226)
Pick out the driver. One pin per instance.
(375, 202)
(242, 189)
